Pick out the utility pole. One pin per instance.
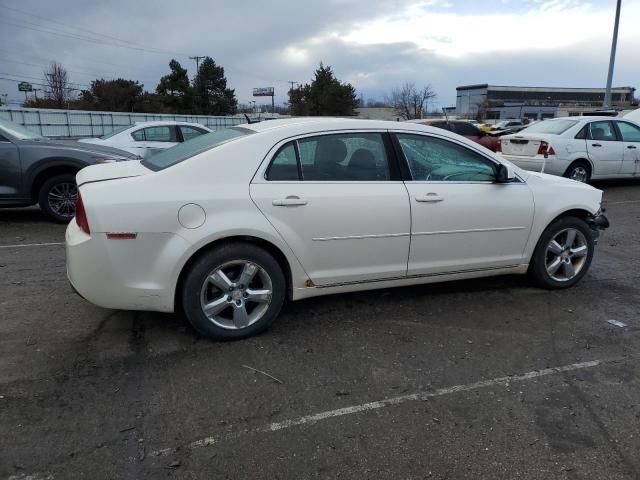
(35, 92)
(197, 58)
(293, 84)
(612, 57)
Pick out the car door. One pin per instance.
(630, 135)
(339, 203)
(10, 171)
(461, 220)
(604, 149)
(150, 140)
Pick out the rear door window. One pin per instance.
(629, 132)
(602, 131)
(191, 132)
(344, 157)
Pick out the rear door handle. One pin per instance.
(290, 201)
(430, 197)
(596, 145)
(631, 147)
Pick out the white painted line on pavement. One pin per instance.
(364, 407)
(620, 202)
(22, 245)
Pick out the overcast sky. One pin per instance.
(375, 45)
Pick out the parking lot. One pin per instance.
(481, 379)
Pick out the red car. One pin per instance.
(467, 130)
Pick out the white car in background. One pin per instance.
(228, 225)
(580, 148)
(146, 138)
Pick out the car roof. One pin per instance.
(317, 124)
(162, 123)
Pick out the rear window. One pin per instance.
(554, 127)
(193, 147)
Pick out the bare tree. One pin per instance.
(58, 83)
(409, 102)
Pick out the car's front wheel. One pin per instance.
(233, 291)
(563, 253)
(57, 197)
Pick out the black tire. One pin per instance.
(538, 265)
(580, 170)
(58, 184)
(192, 289)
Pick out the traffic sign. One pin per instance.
(25, 87)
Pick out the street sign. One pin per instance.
(25, 87)
(263, 92)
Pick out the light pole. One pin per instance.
(612, 57)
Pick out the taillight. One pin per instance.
(545, 149)
(81, 216)
(499, 146)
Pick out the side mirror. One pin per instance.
(505, 174)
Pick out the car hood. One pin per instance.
(111, 171)
(72, 145)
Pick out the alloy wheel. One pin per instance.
(579, 174)
(236, 294)
(566, 254)
(62, 199)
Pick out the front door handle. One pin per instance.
(633, 147)
(290, 201)
(596, 145)
(430, 197)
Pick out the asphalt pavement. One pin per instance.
(490, 378)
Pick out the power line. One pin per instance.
(5, 7)
(197, 59)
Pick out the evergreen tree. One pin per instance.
(174, 90)
(210, 92)
(325, 96)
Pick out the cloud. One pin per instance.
(375, 45)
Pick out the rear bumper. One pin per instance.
(538, 164)
(124, 274)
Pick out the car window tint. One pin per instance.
(160, 134)
(344, 157)
(602, 131)
(2, 139)
(443, 125)
(138, 135)
(284, 165)
(582, 134)
(434, 159)
(465, 129)
(630, 133)
(191, 132)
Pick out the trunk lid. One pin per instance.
(111, 171)
(523, 145)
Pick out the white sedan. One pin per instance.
(146, 138)
(580, 148)
(229, 225)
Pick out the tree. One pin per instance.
(58, 91)
(409, 102)
(210, 92)
(173, 90)
(324, 96)
(114, 95)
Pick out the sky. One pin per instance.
(375, 45)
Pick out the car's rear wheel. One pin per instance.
(563, 254)
(579, 171)
(57, 197)
(233, 291)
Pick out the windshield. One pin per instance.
(115, 132)
(190, 148)
(17, 131)
(555, 127)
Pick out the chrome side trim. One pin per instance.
(357, 237)
(472, 230)
(426, 275)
